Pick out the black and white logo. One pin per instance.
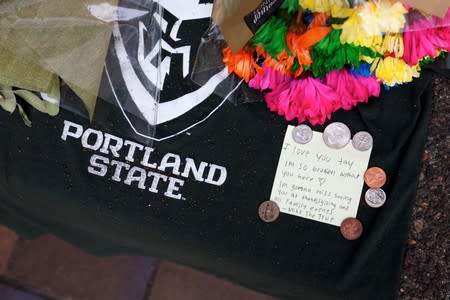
(151, 56)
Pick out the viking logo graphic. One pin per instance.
(138, 74)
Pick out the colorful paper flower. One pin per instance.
(330, 54)
(303, 99)
(268, 79)
(243, 63)
(333, 8)
(352, 89)
(300, 39)
(292, 6)
(368, 22)
(283, 63)
(425, 38)
(309, 72)
(393, 71)
(272, 36)
(442, 26)
(393, 45)
(317, 101)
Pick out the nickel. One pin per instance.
(269, 211)
(351, 229)
(375, 177)
(302, 134)
(375, 198)
(337, 135)
(362, 141)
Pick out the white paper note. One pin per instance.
(319, 183)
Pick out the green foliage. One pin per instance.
(329, 54)
(272, 35)
(292, 6)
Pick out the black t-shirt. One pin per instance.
(194, 198)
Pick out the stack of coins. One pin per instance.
(375, 178)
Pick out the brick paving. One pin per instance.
(50, 267)
(9, 293)
(7, 244)
(178, 282)
(61, 271)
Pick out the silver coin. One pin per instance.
(337, 135)
(375, 198)
(302, 134)
(362, 141)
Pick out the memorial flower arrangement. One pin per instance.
(313, 57)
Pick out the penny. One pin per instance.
(351, 229)
(302, 134)
(269, 211)
(337, 135)
(375, 177)
(362, 141)
(375, 198)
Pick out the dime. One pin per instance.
(269, 211)
(302, 134)
(351, 229)
(375, 198)
(375, 177)
(337, 135)
(362, 141)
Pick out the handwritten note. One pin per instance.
(316, 182)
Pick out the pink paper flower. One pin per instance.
(304, 99)
(442, 26)
(319, 101)
(352, 90)
(267, 79)
(426, 38)
(280, 99)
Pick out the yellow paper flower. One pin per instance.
(368, 22)
(335, 8)
(394, 71)
(373, 42)
(393, 43)
(341, 12)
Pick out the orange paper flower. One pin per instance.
(300, 39)
(243, 63)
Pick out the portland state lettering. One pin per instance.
(138, 167)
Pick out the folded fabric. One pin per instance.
(43, 39)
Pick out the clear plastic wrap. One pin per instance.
(209, 61)
(132, 74)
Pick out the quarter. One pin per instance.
(337, 135)
(362, 141)
(375, 198)
(302, 134)
(351, 229)
(269, 211)
(375, 177)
